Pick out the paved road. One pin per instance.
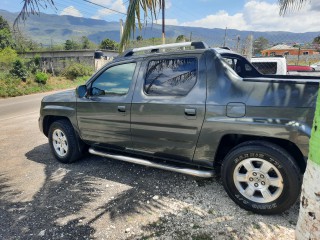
(97, 198)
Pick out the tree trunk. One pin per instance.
(308, 226)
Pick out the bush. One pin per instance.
(75, 70)
(41, 77)
(7, 57)
(19, 70)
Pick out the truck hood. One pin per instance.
(65, 96)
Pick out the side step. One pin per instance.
(189, 171)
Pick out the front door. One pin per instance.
(168, 108)
(104, 115)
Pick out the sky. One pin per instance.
(252, 15)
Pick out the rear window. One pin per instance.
(266, 67)
(171, 77)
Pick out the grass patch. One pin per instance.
(12, 87)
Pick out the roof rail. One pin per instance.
(156, 48)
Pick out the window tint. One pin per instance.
(114, 81)
(171, 77)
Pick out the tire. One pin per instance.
(63, 142)
(261, 177)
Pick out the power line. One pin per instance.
(99, 5)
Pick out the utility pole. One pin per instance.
(121, 28)
(163, 23)
(225, 37)
(190, 36)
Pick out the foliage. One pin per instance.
(139, 38)
(24, 44)
(181, 38)
(316, 40)
(19, 70)
(41, 77)
(109, 44)
(134, 13)
(260, 44)
(86, 43)
(7, 57)
(75, 70)
(6, 39)
(34, 64)
(11, 87)
(71, 45)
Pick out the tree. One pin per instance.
(134, 13)
(308, 226)
(71, 45)
(181, 38)
(316, 40)
(6, 39)
(86, 43)
(260, 44)
(108, 44)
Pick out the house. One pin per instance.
(284, 50)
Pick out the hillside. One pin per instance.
(54, 28)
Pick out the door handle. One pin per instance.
(190, 111)
(121, 108)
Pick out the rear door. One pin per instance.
(104, 115)
(168, 107)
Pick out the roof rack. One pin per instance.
(156, 48)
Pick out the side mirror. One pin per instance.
(81, 91)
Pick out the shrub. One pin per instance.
(41, 77)
(7, 57)
(19, 70)
(34, 64)
(75, 70)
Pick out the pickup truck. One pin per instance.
(181, 107)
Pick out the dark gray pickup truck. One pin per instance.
(192, 112)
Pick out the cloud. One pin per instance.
(115, 5)
(259, 15)
(220, 19)
(71, 11)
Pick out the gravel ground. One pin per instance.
(98, 198)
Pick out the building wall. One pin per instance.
(56, 61)
(283, 52)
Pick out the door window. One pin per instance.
(115, 80)
(171, 77)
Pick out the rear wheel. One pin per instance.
(261, 177)
(63, 142)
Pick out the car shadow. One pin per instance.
(70, 188)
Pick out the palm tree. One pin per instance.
(135, 9)
(308, 226)
(134, 13)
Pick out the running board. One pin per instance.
(189, 171)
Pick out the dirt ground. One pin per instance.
(98, 198)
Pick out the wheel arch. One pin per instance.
(230, 141)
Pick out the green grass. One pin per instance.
(12, 87)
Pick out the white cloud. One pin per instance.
(115, 5)
(220, 19)
(259, 15)
(72, 11)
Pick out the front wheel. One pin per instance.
(262, 178)
(63, 142)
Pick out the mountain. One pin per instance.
(49, 28)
